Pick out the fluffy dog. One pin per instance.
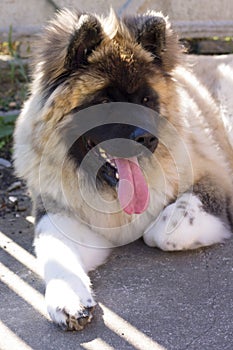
(168, 179)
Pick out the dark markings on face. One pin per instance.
(144, 96)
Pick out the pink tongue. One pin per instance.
(133, 191)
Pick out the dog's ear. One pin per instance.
(152, 35)
(87, 36)
(152, 31)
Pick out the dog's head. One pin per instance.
(87, 61)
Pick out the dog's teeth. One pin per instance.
(103, 155)
(102, 152)
(117, 176)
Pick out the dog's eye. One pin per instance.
(145, 100)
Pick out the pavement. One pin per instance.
(147, 299)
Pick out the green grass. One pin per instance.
(7, 124)
(13, 91)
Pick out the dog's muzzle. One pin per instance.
(144, 138)
(122, 140)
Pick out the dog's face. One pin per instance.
(125, 80)
(86, 62)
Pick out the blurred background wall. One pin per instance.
(191, 18)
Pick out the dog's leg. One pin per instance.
(196, 219)
(64, 256)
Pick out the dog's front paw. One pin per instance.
(69, 305)
(75, 322)
(185, 225)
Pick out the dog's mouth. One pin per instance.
(126, 176)
(108, 171)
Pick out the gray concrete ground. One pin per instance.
(148, 299)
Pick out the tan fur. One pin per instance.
(84, 60)
(185, 101)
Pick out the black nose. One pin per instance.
(144, 138)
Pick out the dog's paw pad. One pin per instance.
(74, 323)
(69, 305)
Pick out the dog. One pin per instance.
(168, 176)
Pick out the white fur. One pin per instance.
(185, 225)
(65, 263)
(194, 137)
